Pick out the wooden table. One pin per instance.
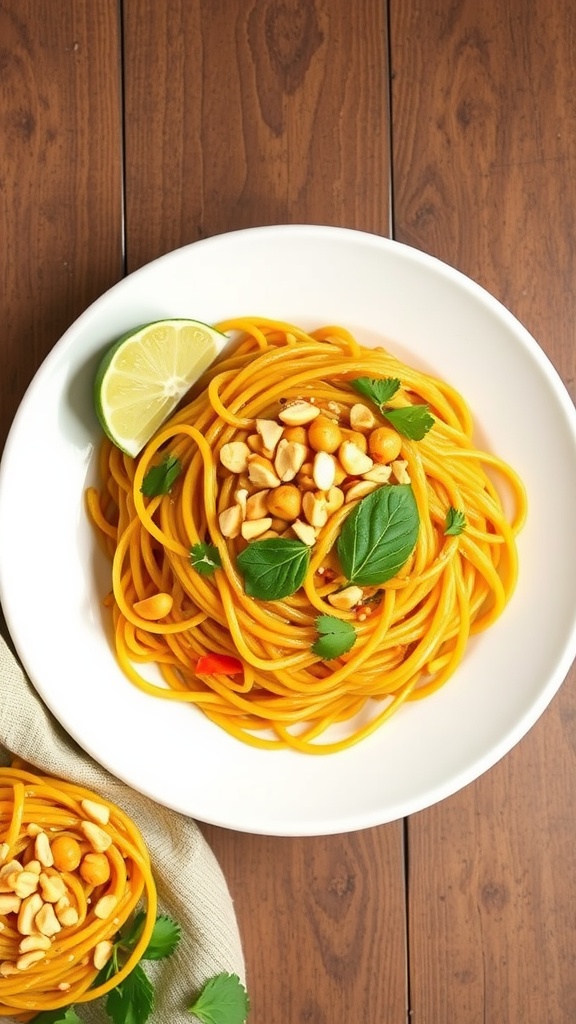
(130, 127)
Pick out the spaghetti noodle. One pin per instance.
(410, 631)
(73, 868)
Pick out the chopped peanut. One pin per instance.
(28, 910)
(324, 470)
(257, 504)
(314, 508)
(400, 471)
(290, 457)
(230, 521)
(270, 431)
(234, 456)
(99, 839)
(42, 850)
(261, 472)
(27, 959)
(298, 413)
(360, 489)
(9, 903)
(52, 887)
(362, 418)
(253, 528)
(345, 600)
(304, 532)
(353, 459)
(25, 883)
(31, 942)
(46, 921)
(102, 954)
(105, 906)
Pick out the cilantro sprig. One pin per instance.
(160, 478)
(223, 1000)
(412, 421)
(335, 637)
(205, 558)
(455, 522)
(133, 999)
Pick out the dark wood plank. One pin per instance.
(238, 115)
(254, 113)
(483, 159)
(323, 924)
(60, 176)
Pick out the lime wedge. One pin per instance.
(145, 373)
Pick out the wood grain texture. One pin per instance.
(239, 114)
(323, 924)
(484, 155)
(60, 176)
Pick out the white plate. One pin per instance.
(52, 580)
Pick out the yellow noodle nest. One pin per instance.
(57, 927)
(417, 625)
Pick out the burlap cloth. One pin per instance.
(191, 887)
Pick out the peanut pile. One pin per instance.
(298, 469)
(44, 890)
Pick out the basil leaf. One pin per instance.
(378, 391)
(159, 479)
(413, 421)
(379, 535)
(273, 568)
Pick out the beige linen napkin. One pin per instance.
(191, 887)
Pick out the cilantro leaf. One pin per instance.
(378, 391)
(164, 939)
(223, 1000)
(379, 535)
(273, 568)
(159, 479)
(132, 1001)
(205, 558)
(66, 1015)
(454, 523)
(336, 636)
(413, 421)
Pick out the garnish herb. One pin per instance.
(132, 1001)
(336, 637)
(205, 558)
(159, 479)
(379, 535)
(455, 522)
(66, 1015)
(273, 568)
(223, 1000)
(412, 421)
(378, 391)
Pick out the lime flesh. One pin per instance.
(144, 375)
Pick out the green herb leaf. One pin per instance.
(205, 558)
(379, 535)
(337, 636)
(132, 1001)
(273, 568)
(159, 479)
(223, 1000)
(164, 939)
(455, 522)
(413, 421)
(66, 1015)
(378, 391)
